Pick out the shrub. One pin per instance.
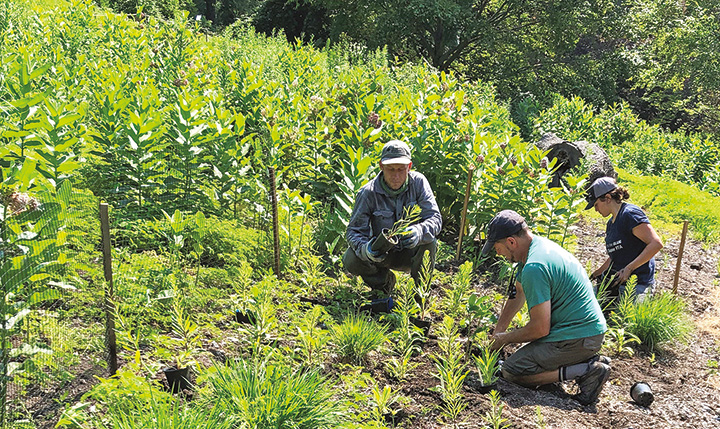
(674, 202)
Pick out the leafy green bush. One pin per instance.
(228, 244)
(632, 143)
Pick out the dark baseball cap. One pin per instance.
(503, 225)
(600, 187)
(395, 152)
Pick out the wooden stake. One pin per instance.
(276, 227)
(679, 258)
(109, 290)
(471, 169)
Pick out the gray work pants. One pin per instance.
(378, 275)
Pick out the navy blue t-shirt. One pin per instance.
(623, 247)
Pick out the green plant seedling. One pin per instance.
(451, 370)
(486, 364)
(423, 295)
(188, 333)
(411, 215)
(384, 400)
(619, 342)
(457, 296)
(539, 419)
(494, 417)
(478, 316)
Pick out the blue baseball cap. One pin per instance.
(599, 187)
(503, 225)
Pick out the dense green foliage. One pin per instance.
(660, 57)
(178, 132)
(633, 145)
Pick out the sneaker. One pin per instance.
(591, 384)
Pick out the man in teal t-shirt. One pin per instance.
(566, 327)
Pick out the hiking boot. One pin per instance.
(600, 358)
(389, 283)
(591, 384)
(386, 287)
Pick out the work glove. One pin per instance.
(371, 255)
(411, 237)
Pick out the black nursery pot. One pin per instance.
(383, 243)
(486, 388)
(422, 324)
(641, 394)
(246, 317)
(379, 306)
(177, 379)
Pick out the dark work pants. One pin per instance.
(378, 275)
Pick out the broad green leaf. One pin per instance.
(46, 295)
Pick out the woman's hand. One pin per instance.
(622, 275)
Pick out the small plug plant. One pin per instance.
(406, 336)
(384, 400)
(457, 296)
(451, 370)
(311, 339)
(486, 364)
(242, 299)
(423, 290)
(494, 417)
(262, 328)
(410, 216)
(478, 316)
(187, 332)
(619, 343)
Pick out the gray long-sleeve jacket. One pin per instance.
(374, 210)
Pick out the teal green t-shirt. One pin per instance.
(552, 273)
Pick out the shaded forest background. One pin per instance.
(660, 57)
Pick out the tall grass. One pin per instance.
(656, 321)
(160, 414)
(356, 337)
(274, 395)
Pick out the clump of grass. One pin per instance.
(356, 337)
(263, 394)
(656, 320)
(160, 414)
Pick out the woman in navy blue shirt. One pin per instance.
(630, 240)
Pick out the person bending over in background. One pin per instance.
(379, 204)
(566, 327)
(630, 240)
